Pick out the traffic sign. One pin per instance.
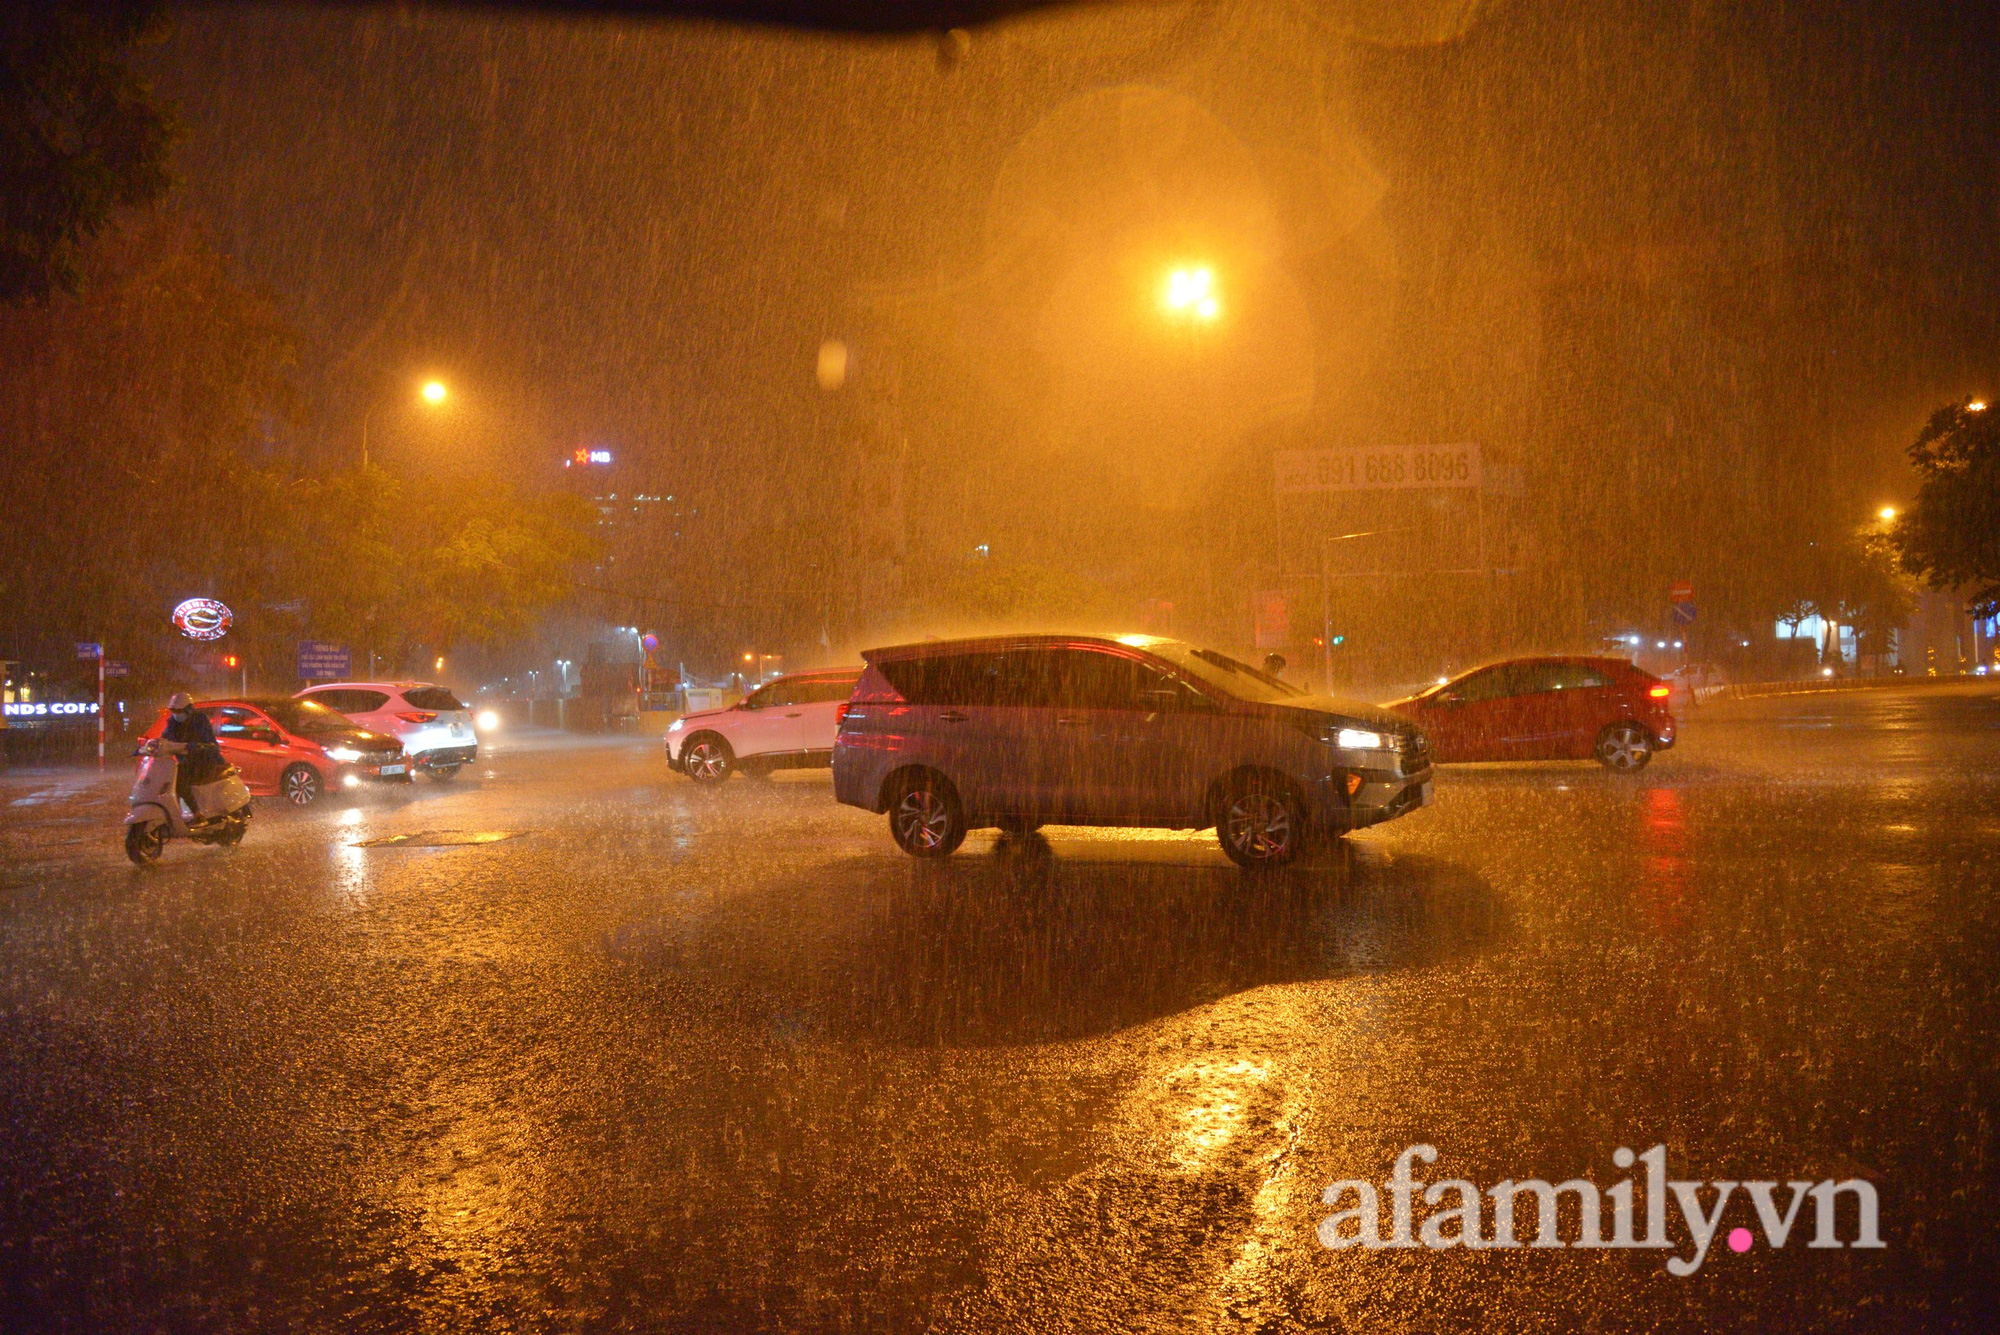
(1684, 613)
(320, 662)
(114, 668)
(85, 649)
(1681, 592)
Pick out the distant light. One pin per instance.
(434, 391)
(585, 458)
(351, 781)
(1632, 639)
(1192, 290)
(1443, 680)
(1886, 513)
(1976, 406)
(438, 666)
(487, 720)
(831, 370)
(1677, 644)
(1659, 644)
(1826, 672)
(749, 658)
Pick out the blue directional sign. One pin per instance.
(1684, 614)
(321, 662)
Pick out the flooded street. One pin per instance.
(572, 1044)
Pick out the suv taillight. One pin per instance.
(1660, 692)
(416, 716)
(840, 714)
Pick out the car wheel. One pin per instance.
(300, 785)
(443, 773)
(144, 842)
(1625, 747)
(926, 819)
(708, 759)
(1260, 824)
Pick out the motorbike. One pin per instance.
(221, 812)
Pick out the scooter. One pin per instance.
(221, 807)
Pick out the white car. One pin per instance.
(434, 726)
(785, 724)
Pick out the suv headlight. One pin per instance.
(346, 755)
(1360, 739)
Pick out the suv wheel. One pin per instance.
(300, 784)
(1625, 747)
(1260, 824)
(926, 819)
(708, 759)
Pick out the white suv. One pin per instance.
(434, 726)
(786, 724)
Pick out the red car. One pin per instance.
(296, 749)
(1547, 709)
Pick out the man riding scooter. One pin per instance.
(184, 788)
(201, 762)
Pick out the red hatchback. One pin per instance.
(296, 749)
(1547, 709)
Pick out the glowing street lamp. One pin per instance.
(1976, 406)
(432, 392)
(1887, 514)
(1191, 292)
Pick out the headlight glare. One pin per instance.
(346, 755)
(1360, 739)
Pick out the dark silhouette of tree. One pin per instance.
(80, 135)
(1951, 537)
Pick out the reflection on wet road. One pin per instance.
(571, 1045)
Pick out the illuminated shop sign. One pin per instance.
(203, 619)
(49, 708)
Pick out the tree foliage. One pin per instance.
(144, 418)
(1951, 536)
(80, 136)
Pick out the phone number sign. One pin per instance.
(1379, 468)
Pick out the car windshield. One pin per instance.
(1226, 674)
(307, 718)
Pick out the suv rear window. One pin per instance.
(432, 697)
(350, 701)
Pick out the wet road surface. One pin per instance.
(571, 1045)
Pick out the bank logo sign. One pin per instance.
(1461, 1214)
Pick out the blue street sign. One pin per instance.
(86, 650)
(319, 662)
(1684, 613)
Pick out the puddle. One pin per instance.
(439, 839)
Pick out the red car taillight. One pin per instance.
(840, 714)
(1659, 692)
(416, 716)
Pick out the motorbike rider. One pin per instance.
(201, 760)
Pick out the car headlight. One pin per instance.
(487, 721)
(1360, 739)
(346, 755)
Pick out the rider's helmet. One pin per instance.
(181, 701)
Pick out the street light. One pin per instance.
(1190, 291)
(432, 392)
(1887, 514)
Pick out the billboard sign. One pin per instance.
(1378, 468)
(323, 662)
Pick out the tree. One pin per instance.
(80, 136)
(1950, 537)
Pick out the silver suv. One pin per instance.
(1022, 731)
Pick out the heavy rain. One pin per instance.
(1140, 665)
